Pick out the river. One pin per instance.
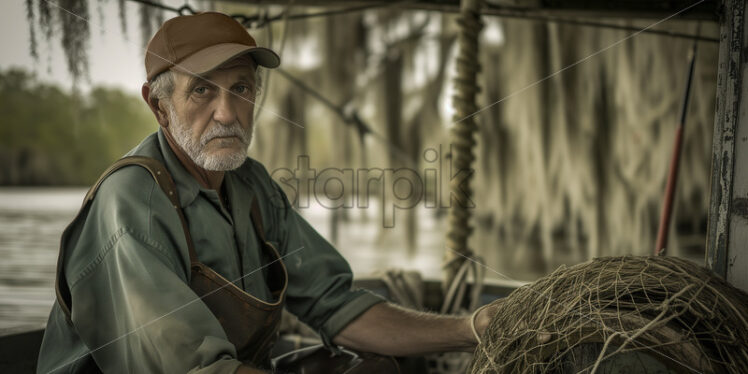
(32, 220)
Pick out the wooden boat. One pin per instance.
(19, 347)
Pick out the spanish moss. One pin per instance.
(74, 17)
(150, 19)
(123, 17)
(32, 31)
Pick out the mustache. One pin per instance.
(220, 131)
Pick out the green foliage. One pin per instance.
(49, 136)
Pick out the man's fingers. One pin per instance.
(520, 327)
(544, 337)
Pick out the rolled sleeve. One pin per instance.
(320, 283)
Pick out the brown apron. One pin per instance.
(250, 324)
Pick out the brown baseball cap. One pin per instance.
(199, 43)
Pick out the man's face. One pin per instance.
(211, 118)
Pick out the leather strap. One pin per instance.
(166, 183)
(256, 216)
(163, 180)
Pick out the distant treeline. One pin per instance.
(52, 137)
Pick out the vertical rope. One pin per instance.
(463, 142)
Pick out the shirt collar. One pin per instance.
(187, 186)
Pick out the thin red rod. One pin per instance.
(672, 178)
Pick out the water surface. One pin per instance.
(32, 220)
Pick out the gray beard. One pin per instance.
(196, 150)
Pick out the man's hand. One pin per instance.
(486, 315)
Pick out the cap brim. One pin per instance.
(212, 57)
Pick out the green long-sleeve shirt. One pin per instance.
(127, 267)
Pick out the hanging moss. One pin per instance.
(150, 20)
(123, 17)
(32, 31)
(45, 19)
(74, 22)
(70, 19)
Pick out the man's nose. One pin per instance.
(224, 111)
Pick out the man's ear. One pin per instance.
(161, 116)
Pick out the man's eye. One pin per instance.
(200, 90)
(241, 89)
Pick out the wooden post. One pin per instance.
(727, 237)
(462, 140)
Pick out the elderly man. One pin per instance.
(185, 251)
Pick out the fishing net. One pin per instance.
(680, 313)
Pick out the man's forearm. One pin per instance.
(388, 329)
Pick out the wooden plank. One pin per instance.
(727, 236)
(657, 9)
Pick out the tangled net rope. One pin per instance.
(669, 308)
